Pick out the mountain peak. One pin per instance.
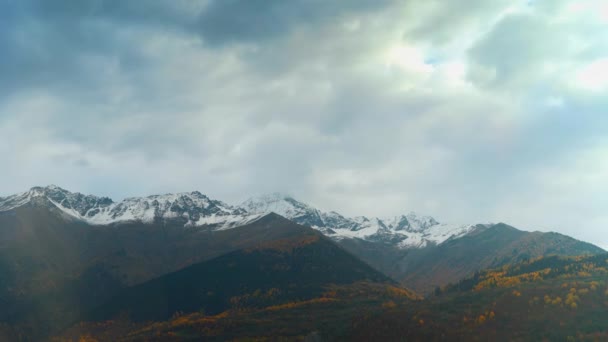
(75, 203)
(285, 206)
(51, 187)
(44, 190)
(276, 200)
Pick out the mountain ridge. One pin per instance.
(195, 209)
(406, 231)
(48, 251)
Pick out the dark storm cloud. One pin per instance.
(51, 43)
(159, 12)
(254, 21)
(84, 51)
(44, 41)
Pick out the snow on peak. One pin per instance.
(285, 206)
(411, 222)
(194, 208)
(73, 202)
(276, 202)
(406, 231)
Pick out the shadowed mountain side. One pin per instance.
(325, 318)
(498, 245)
(54, 268)
(142, 252)
(424, 269)
(542, 299)
(42, 249)
(290, 269)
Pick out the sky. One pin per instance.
(469, 111)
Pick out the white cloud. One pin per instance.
(593, 76)
(467, 111)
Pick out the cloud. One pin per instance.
(472, 112)
(256, 21)
(539, 45)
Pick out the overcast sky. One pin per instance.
(469, 111)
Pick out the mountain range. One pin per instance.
(64, 256)
(195, 209)
(404, 231)
(56, 270)
(405, 247)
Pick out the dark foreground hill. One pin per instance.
(327, 317)
(546, 299)
(272, 273)
(286, 288)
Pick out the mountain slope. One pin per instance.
(281, 289)
(328, 317)
(54, 267)
(490, 247)
(417, 250)
(42, 247)
(545, 299)
(296, 268)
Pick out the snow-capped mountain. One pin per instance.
(193, 209)
(285, 206)
(405, 231)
